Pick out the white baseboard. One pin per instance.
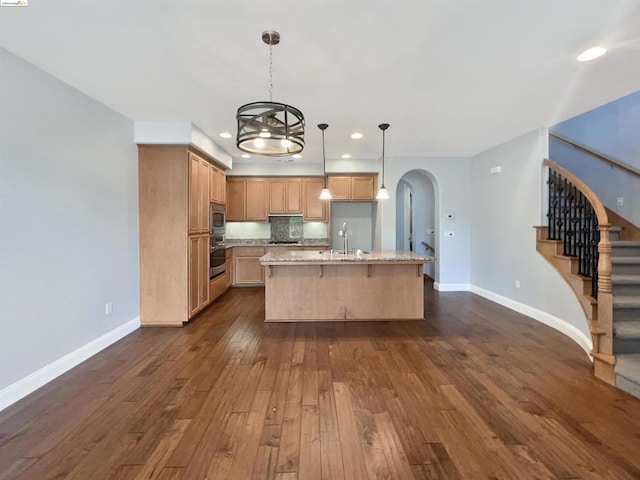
(451, 287)
(31, 383)
(543, 317)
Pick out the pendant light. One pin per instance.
(325, 194)
(270, 128)
(382, 193)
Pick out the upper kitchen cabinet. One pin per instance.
(247, 199)
(315, 210)
(360, 187)
(285, 195)
(217, 186)
(173, 216)
(199, 170)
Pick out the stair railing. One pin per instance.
(578, 218)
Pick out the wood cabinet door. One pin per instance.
(214, 187)
(194, 194)
(203, 264)
(193, 276)
(293, 195)
(256, 207)
(222, 186)
(217, 185)
(203, 207)
(248, 271)
(277, 195)
(340, 187)
(363, 187)
(236, 195)
(314, 208)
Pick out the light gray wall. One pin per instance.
(68, 219)
(360, 218)
(504, 209)
(612, 129)
(607, 183)
(451, 179)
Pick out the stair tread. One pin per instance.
(627, 330)
(626, 301)
(625, 243)
(628, 278)
(628, 366)
(627, 260)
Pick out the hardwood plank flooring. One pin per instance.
(474, 391)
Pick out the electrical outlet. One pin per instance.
(517, 283)
(620, 201)
(449, 233)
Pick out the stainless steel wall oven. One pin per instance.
(217, 245)
(217, 260)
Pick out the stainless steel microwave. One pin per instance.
(216, 219)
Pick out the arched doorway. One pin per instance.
(416, 215)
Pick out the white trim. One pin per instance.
(451, 287)
(543, 317)
(32, 382)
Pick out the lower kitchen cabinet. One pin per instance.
(198, 273)
(219, 285)
(247, 269)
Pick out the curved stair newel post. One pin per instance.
(593, 287)
(604, 359)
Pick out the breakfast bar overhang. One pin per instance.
(307, 286)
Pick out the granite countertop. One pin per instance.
(312, 257)
(265, 242)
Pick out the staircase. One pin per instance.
(602, 266)
(625, 281)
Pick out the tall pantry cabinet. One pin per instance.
(174, 194)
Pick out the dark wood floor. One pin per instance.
(475, 391)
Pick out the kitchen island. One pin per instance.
(306, 286)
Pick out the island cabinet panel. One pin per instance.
(343, 292)
(285, 195)
(314, 209)
(247, 269)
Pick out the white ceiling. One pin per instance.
(452, 77)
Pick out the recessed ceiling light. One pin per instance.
(356, 135)
(225, 135)
(591, 54)
(346, 155)
(245, 155)
(297, 155)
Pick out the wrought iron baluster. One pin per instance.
(572, 219)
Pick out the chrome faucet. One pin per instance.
(345, 238)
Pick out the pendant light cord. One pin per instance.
(270, 71)
(324, 162)
(382, 158)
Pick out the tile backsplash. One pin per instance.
(282, 230)
(285, 229)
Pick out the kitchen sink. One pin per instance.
(341, 252)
